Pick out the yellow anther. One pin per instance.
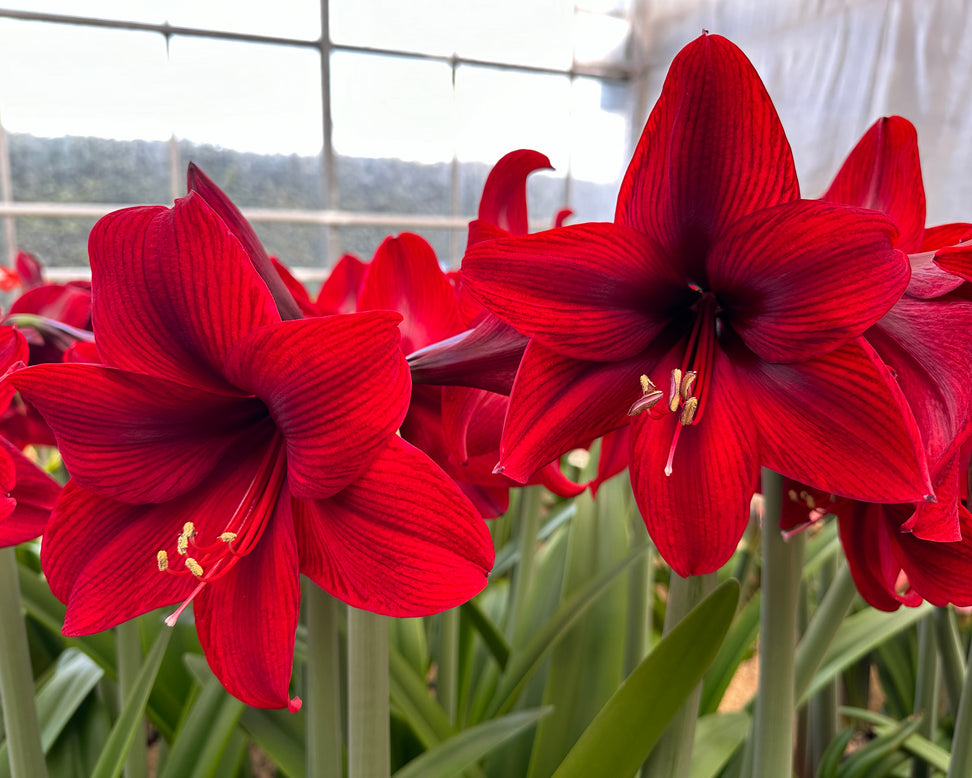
(646, 385)
(194, 567)
(673, 390)
(689, 409)
(811, 503)
(182, 545)
(188, 529)
(645, 402)
(793, 495)
(228, 537)
(163, 559)
(688, 380)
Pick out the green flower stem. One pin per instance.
(960, 764)
(527, 527)
(926, 689)
(822, 707)
(640, 583)
(775, 700)
(128, 642)
(672, 756)
(447, 678)
(369, 752)
(16, 678)
(823, 627)
(950, 649)
(324, 741)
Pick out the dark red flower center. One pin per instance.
(689, 383)
(211, 561)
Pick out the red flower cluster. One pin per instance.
(226, 432)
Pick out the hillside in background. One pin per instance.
(95, 170)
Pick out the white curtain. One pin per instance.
(834, 66)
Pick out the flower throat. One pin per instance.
(689, 383)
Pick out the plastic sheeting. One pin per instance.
(832, 68)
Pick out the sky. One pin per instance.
(63, 79)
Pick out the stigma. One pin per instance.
(207, 562)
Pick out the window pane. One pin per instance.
(282, 18)
(55, 242)
(417, 25)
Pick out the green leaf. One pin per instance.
(67, 687)
(525, 661)
(492, 637)
(915, 744)
(858, 635)
(410, 694)
(454, 755)
(717, 737)
(734, 649)
(626, 729)
(200, 741)
(276, 739)
(830, 762)
(865, 762)
(130, 719)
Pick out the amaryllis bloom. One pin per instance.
(219, 452)
(338, 293)
(459, 427)
(719, 309)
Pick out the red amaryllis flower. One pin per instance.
(218, 452)
(721, 287)
(338, 293)
(458, 427)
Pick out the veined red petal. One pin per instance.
(802, 278)
(939, 572)
(929, 279)
(697, 515)
(867, 543)
(174, 291)
(337, 388)
(99, 559)
(133, 437)
(199, 183)
(713, 150)
(837, 422)
(13, 351)
(339, 293)
(883, 173)
(401, 540)
(405, 276)
(943, 235)
(247, 620)
(589, 291)
(33, 494)
(559, 403)
(504, 194)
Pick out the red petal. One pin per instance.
(485, 357)
(838, 422)
(405, 276)
(247, 620)
(590, 291)
(339, 293)
(559, 403)
(713, 150)
(337, 388)
(883, 173)
(99, 557)
(956, 260)
(800, 279)
(14, 352)
(929, 279)
(33, 493)
(504, 195)
(174, 291)
(401, 540)
(867, 543)
(615, 448)
(939, 572)
(472, 421)
(296, 289)
(132, 437)
(237, 224)
(943, 235)
(31, 271)
(697, 515)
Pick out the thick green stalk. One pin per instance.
(950, 650)
(128, 641)
(527, 526)
(672, 756)
(960, 764)
(447, 678)
(369, 751)
(926, 689)
(822, 707)
(323, 703)
(16, 678)
(780, 586)
(823, 626)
